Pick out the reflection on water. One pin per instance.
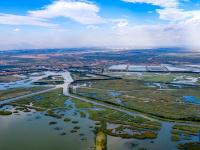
(191, 100)
(23, 83)
(113, 93)
(33, 130)
(28, 82)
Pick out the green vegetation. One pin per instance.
(175, 137)
(53, 114)
(74, 122)
(9, 78)
(155, 77)
(164, 103)
(131, 132)
(45, 101)
(198, 82)
(150, 77)
(81, 104)
(10, 93)
(76, 128)
(5, 113)
(54, 99)
(85, 76)
(48, 100)
(185, 131)
(52, 80)
(116, 117)
(67, 120)
(139, 127)
(82, 114)
(100, 143)
(189, 146)
(73, 131)
(79, 75)
(52, 123)
(165, 77)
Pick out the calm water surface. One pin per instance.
(31, 130)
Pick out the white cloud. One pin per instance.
(187, 22)
(79, 11)
(119, 25)
(16, 30)
(122, 23)
(161, 3)
(172, 14)
(148, 36)
(132, 36)
(176, 14)
(82, 12)
(183, 25)
(11, 19)
(182, 28)
(92, 27)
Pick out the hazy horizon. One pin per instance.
(96, 23)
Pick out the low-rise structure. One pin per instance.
(133, 68)
(118, 68)
(153, 68)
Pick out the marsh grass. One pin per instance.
(5, 113)
(166, 104)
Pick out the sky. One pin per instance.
(29, 24)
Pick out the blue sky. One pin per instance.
(103, 23)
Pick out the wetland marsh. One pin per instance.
(58, 120)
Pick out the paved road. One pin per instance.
(67, 80)
(65, 87)
(111, 107)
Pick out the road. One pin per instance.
(111, 107)
(67, 80)
(25, 96)
(67, 77)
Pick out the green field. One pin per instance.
(11, 93)
(46, 100)
(155, 77)
(150, 77)
(84, 76)
(9, 78)
(134, 95)
(51, 80)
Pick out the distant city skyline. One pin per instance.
(99, 23)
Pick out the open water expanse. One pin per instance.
(35, 131)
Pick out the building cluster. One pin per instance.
(154, 68)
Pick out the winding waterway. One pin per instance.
(23, 130)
